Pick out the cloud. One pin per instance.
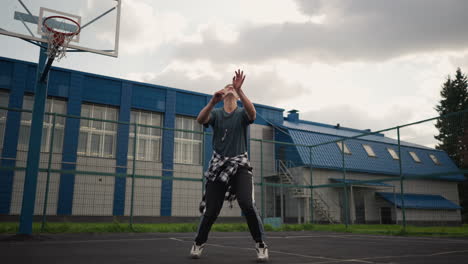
(261, 12)
(351, 31)
(360, 118)
(143, 27)
(262, 85)
(460, 62)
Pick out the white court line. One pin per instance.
(368, 239)
(246, 236)
(421, 255)
(359, 237)
(339, 261)
(399, 256)
(284, 253)
(379, 237)
(449, 252)
(409, 238)
(346, 260)
(418, 239)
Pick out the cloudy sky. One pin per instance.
(361, 63)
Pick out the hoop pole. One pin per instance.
(45, 73)
(34, 150)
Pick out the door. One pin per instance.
(359, 205)
(386, 215)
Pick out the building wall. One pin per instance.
(93, 194)
(146, 191)
(262, 159)
(448, 190)
(54, 179)
(372, 207)
(186, 195)
(422, 216)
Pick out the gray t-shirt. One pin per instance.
(229, 131)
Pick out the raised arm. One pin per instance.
(204, 115)
(237, 82)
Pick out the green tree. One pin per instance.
(453, 129)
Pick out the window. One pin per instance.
(434, 159)
(346, 149)
(414, 156)
(53, 105)
(97, 138)
(148, 145)
(369, 150)
(393, 153)
(188, 145)
(3, 114)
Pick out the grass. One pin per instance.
(116, 227)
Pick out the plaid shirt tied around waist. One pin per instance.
(221, 169)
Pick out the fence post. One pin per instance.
(403, 213)
(135, 127)
(394, 205)
(346, 211)
(283, 217)
(311, 187)
(49, 165)
(262, 192)
(203, 161)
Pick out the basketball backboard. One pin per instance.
(99, 21)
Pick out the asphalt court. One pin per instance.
(306, 247)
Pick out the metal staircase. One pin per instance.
(319, 204)
(322, 208)
(286, 177)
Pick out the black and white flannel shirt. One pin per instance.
(221, 169)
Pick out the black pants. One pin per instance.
(215, 191)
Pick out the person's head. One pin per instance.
(229, 91)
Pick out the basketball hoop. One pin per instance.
(59, 35)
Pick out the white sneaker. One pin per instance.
(262, 252)
(196, 251)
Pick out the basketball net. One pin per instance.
(59, 38)
(58, 45)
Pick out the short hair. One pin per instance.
(235, 93)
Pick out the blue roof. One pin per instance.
(358, 182)
(419, 201)
(329, 155)
(345, 132)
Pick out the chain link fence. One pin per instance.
(94, 166)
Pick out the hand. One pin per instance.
(218, 97)
(238, 80)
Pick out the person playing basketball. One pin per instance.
(229, 175)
